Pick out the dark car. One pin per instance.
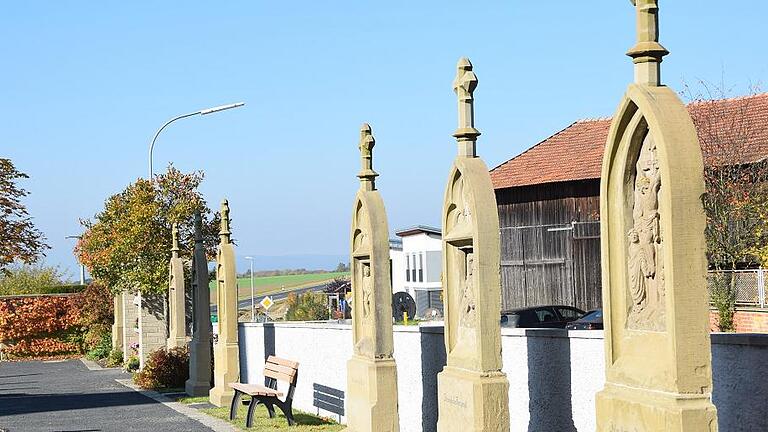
(540, 317)
(593, 320)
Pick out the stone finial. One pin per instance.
(224, 232)
(647, 54)
(198, 228)
(367, 175)
(464, 85)
(175, 234)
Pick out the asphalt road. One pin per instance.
(66, 396)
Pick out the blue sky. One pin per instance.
(84, 86)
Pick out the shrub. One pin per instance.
(724, 300)
(115, 358)
(310, 306)
(132, 364)
(29, 279)
(164, 369)
(40, 326)
(101, 349)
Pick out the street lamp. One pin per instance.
(82, 266)
(201, 112)
(253, 298)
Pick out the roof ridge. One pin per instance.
(593, 119)
(730, 99)
(535, 145)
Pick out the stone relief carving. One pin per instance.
(645, 250)
(468, 315)
(367, 291)
(362, 312)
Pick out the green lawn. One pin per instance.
(262, 422)
(271, 284)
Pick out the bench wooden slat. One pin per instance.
(255, 389)
(278, 376)
(280, 368)
(283, 362)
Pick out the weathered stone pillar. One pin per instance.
(199, 382)
(226, 354)
(472, 390)
(130, 323)
(177, 329)
(118, 327)
(371, 372)
(658, 355)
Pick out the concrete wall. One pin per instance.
(553, 374)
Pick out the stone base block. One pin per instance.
(470, 401)
(371, 395)
(226, 371)
(196, 388)
(625, 409)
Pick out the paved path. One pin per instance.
(66, 396)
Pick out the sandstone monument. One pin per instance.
(118, 326)
(177, 334)
(472, 390)
(226, 353)
(658, 357)
(371, 372)
(199, 382)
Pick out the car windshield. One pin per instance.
(595, 315)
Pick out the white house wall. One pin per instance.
(553, 374)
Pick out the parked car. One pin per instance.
(540, 317)
(593, 320)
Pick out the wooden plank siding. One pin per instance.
(544, 258)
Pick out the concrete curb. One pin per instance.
(215, 424)
(92, 365)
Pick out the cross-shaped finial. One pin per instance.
(367, 175)
(647, 54)
(224, 233)
(464, 85)
(175, 235)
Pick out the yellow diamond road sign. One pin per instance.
(266, 302)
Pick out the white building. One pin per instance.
(417, 264)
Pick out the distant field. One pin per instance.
(269, 284)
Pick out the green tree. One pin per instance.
(310, 306)
(127, 245)
(19, 239)
(29, 279)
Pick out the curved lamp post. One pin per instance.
(201, 112)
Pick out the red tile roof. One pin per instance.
(576, 152)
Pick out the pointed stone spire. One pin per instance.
(367, 175)
(198, 228)
(464, 85)
(224, 232)
(175, 234)
(647, 54)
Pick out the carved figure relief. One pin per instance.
(460, 214)
(645, 250)
(367, 292)
(363, 308)
(468, 315)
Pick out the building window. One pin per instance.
(421, 267)
(413, 268)
(407, 268)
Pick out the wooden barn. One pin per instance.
(549, 205)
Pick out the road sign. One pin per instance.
(266, 302)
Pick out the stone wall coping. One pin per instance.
(436, 327)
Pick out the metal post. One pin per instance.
(253, 296)
(761, 287)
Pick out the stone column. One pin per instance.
(177, 329)
(472, 390)
(199, 382)
(658, 354)
(226, 354)
(130, 323)
(118, 326)
(371, 372)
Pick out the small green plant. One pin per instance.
(115, 358)
(724, 300)
(132, 364)
(164, 369)
(102, 348)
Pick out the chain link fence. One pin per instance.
(749, 285)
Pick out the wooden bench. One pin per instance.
(276, 369)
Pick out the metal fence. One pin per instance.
(749, 285)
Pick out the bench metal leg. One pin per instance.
(251, 409)
(235, 402)
(270, 409)
(287, 410)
